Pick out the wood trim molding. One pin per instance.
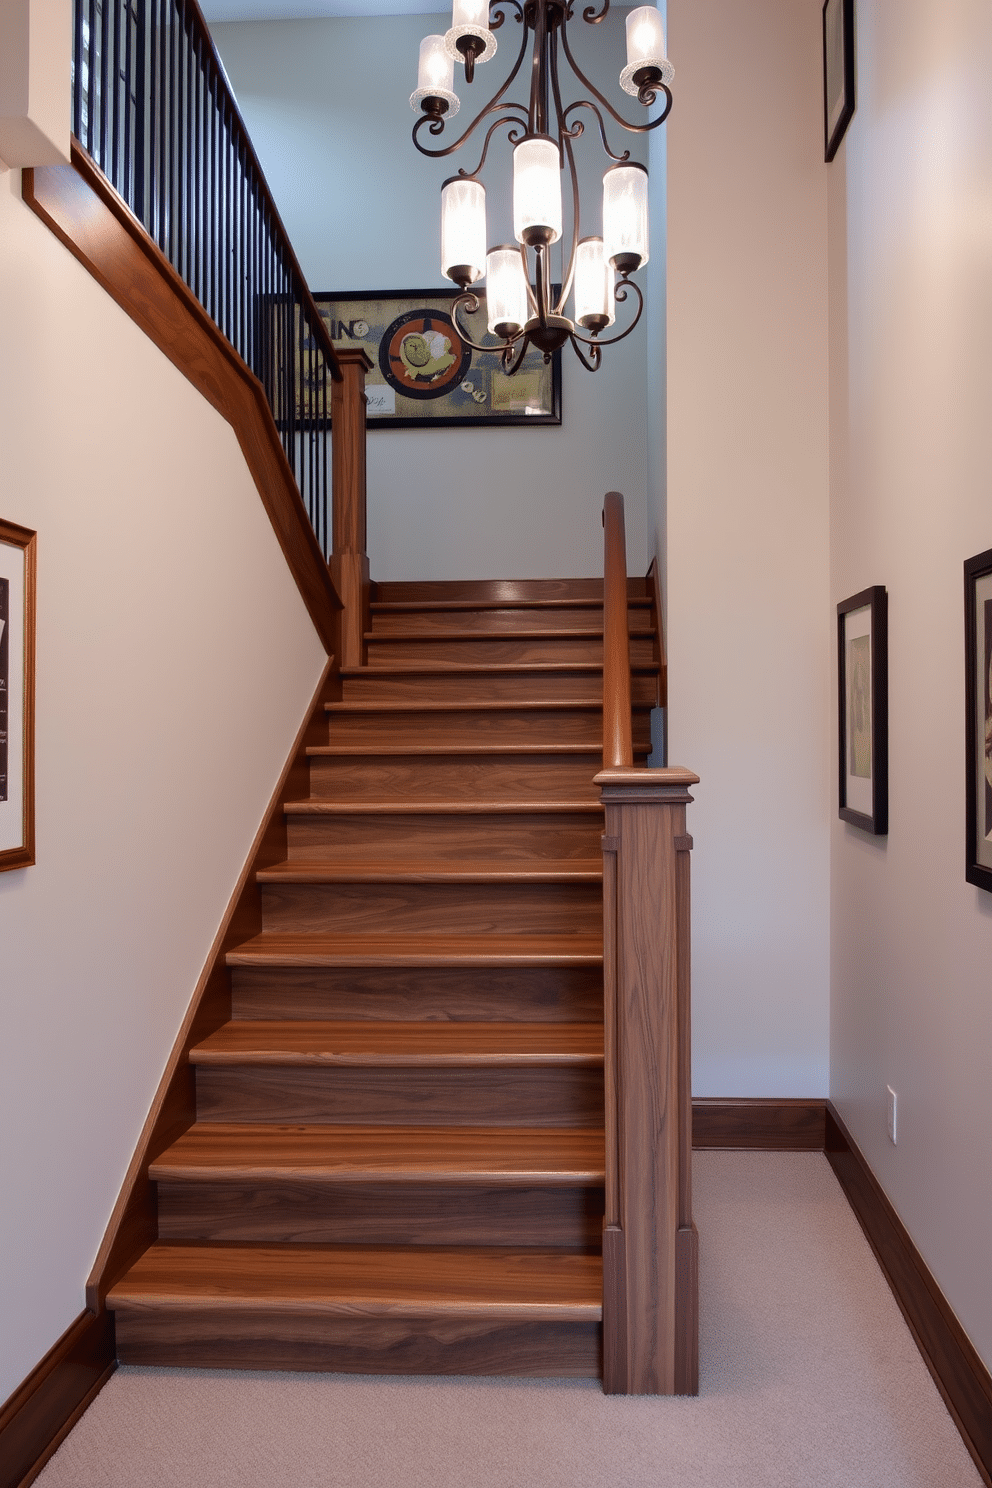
(759, 1125)
(98, 228)
(134, 1223)
(43, 1410)
(958, 1372)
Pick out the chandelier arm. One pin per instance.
(576, 129)
(497, 15)
(631, 128)
(531, 297)
(511, 363)
(592, 363)
(566, 140)
(509, 119)
(592, 16)
(471, 303)
(493, 106)
(618, 294)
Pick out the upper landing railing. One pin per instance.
(153, 109)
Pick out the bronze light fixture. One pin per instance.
(522, 308)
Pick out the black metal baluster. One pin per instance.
(128, 177)
(115, 7)
(77, 69)
(190, 157)
(104, 64)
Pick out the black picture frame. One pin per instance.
(863, 710)
(838, 73)
(477, 393)
(978, 713)
(18, 546)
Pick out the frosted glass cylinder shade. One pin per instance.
(470, 19)
(625, 217)
(593, 286)
(463, 230)
(506, 290)
(435, 76)
(645, 49)
(474, 13)
(537, 191)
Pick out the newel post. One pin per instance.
(349, 560)
(650, 1265)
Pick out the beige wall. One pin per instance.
(911, 455)
(175, 662)
(749, 628)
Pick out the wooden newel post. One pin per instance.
(349, 559)
(650, 1268)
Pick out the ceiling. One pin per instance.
(294, 10)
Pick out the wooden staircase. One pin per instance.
(397, 1162)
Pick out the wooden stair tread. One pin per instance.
(399, 606)
(401, 1045)
(271, 949)
(355, 751)
(491, 1155)
(591, 633)
(417, 1282)
(485, 669)
(315, 806)
(458, 705)
(303, 870)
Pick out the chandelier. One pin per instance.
(524, 306)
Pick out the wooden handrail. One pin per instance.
(618, 747)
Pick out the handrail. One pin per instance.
(618, 747)
(153, 108)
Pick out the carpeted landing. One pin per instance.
(809, 1378)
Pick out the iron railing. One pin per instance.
(153, 109)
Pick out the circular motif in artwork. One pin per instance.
(421, 354)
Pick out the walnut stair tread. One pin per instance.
(383, 1044)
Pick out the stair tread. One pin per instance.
(485, 669)
(423, 1045)
(396, 606)
(315, 806)
(229, 1151)
(269, 949)
(354, 750)
(420, 1281)
(433, 870)
(544, 634)
(459, 705)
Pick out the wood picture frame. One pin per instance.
(459, 387)
(863, 710)
(838, 73)
(978, 726)
(17, 648)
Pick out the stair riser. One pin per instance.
(381, 1214)
(425, 726)
(336, 1096)
(495, 838)
(538, 994)
(477, 651)
(453, 777)
(442, 622)
(499, 687)
(233, 1339)
(438, 908)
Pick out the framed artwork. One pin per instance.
(838, 72)
(17, 610)
(425, 376)
(863, 709)
(978, 728)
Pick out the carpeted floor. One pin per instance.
(809, 1379)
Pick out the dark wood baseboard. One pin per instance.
(43, 1410)
(958, 1372)
(759, 1125)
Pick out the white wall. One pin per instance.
(911, 452)
(175, 661)
(326, 103)
(749, 625)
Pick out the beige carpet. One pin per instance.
(809, 1378)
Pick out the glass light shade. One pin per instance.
(537, 191)
(625, 217)
(506, 290)
(463, 230)
(435, 76)
(593, 286)
(645, 47)
(470, 18)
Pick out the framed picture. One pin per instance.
(17, 604)
(425, 376)
(863, 709)
(838, 72)
(978, 729)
